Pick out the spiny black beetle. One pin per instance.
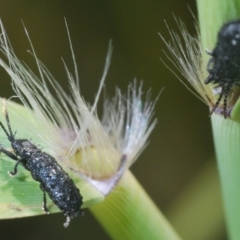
(224, 64)
(45, 169)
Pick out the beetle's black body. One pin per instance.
(45, 169)
(224, 64)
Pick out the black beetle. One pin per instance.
(45, 169)
(224, 64)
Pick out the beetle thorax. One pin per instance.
(23, 147)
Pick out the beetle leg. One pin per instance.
(44, 206)
(66, 224)
(8, 153)
(15, 167)
(14, 157)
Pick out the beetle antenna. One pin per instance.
(10, 134)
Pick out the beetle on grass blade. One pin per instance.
(44, 169)
(224, 64)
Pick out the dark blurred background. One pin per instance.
(180, 151)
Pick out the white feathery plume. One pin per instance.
(187, 55)
(97, 150)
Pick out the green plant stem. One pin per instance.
(212, 15)
(227, 142)
(129, 213)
